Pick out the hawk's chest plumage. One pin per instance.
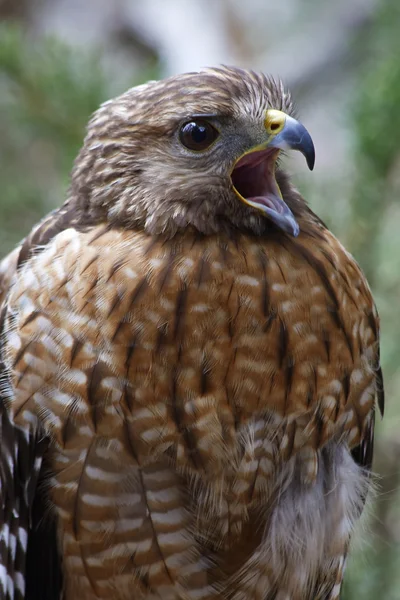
(184, 386)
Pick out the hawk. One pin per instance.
(190, 363)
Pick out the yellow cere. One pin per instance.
(274, 121)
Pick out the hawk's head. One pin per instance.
(198, 149)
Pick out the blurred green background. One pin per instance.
(59, 60)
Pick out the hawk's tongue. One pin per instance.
(278, 211)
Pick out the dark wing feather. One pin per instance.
(363, 454)
(29, 562)
(20, 462)
(43, 562)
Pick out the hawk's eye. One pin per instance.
(197, 135)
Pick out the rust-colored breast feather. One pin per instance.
(181, 383)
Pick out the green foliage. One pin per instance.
(374, 571)
(54, 89)
(377, 126)
(47, 93)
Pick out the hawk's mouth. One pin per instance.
(253, 179)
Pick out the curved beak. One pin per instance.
(253, 174)
(288, 134)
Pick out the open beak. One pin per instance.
(253, 175)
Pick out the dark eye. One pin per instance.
(197, 135)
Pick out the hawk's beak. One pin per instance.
(288, 134)
(253, 175)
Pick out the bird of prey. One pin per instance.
(190, 363)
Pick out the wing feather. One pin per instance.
(29, 566)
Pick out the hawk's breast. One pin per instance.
(147, 361)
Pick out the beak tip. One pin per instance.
(308, 150)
